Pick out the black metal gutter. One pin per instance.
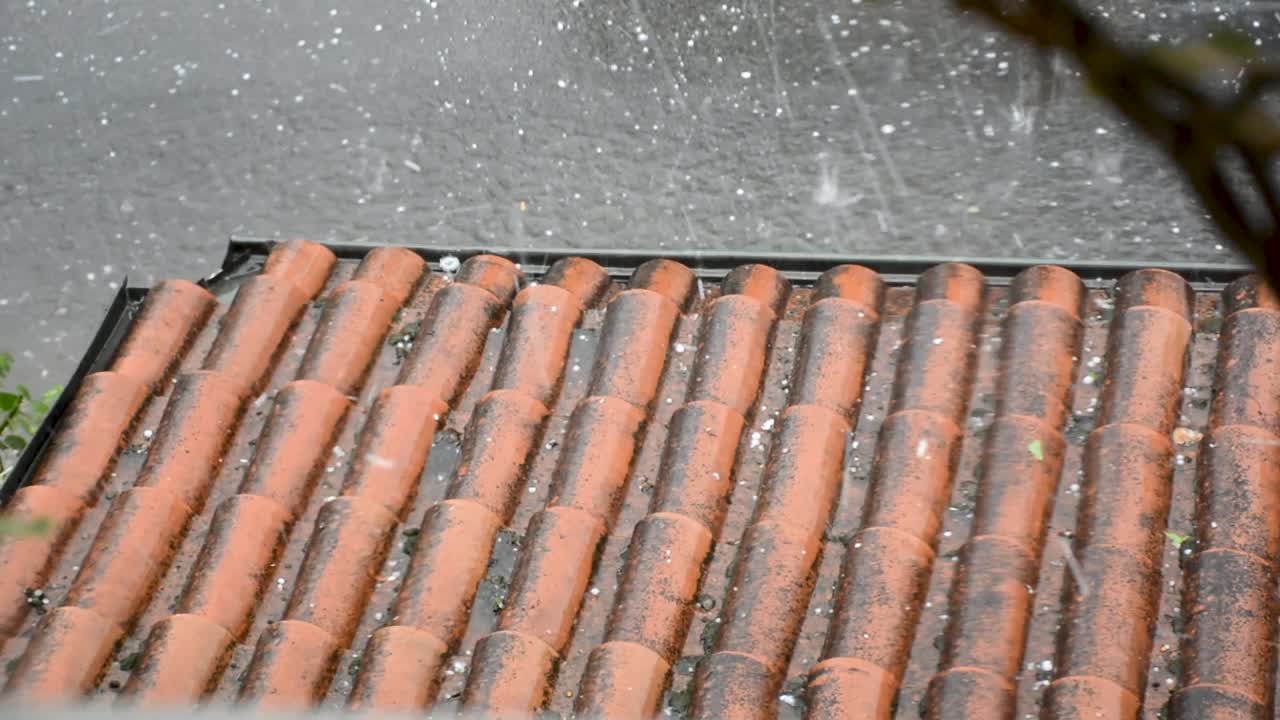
(245, 255)
(801, 268)
(98, 357)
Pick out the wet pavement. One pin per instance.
(137, 135)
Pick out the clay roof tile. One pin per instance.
(733, 492)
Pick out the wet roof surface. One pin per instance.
(808, 126)
(367, 484)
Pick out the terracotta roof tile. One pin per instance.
(398, 670)
(985, 636)
(291, 666)
(447, 350)
(100, 414)
(66, 656)
(130, 552)
(661, 584)
(669, 279)
(175, 311)
(1106, 636)
(1229, 650)
(505, 427)
(597, 457)
(396, 271)
(198, 421)
(294, 444)
(829, 495)
(26, 559)
(187, 651)
(244, 540)
(759, 282)
(340, 566)
(732, 353)
(393, 447)
(497, 275)
(81, 455)
(533, 355)
(515, 674)
(304, 264)
(697, 467)
(356, 316)
(583, 279)
(631, 358)
(450, 561)
(888, 562)
(254, 329)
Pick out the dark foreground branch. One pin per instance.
(1160, 89)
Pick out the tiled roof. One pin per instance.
(367, 484)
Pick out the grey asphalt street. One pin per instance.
(137, 135)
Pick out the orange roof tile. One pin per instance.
(734, 495)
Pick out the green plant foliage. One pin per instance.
(1225, 51)
(21, 414)
(15, 527)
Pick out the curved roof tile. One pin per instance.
(813, 495)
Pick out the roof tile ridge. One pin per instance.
(1023, 456)
(250, 528)
(457, 533)
(1148, 341)
(889, 562)
(605, 429)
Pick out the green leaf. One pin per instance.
(9, 402)
(1175, 538)
(49, 398)
(1224, 52)
(1036, 449)
(23, 421)
(129, 662)
(15, 442)
(1233, 43)
(17, 527)
(6, 363)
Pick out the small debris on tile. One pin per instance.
(37, 599)
(378, 461)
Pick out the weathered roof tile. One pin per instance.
(174, 312)
(829, 495)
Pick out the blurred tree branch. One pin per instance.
(1161, 90)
